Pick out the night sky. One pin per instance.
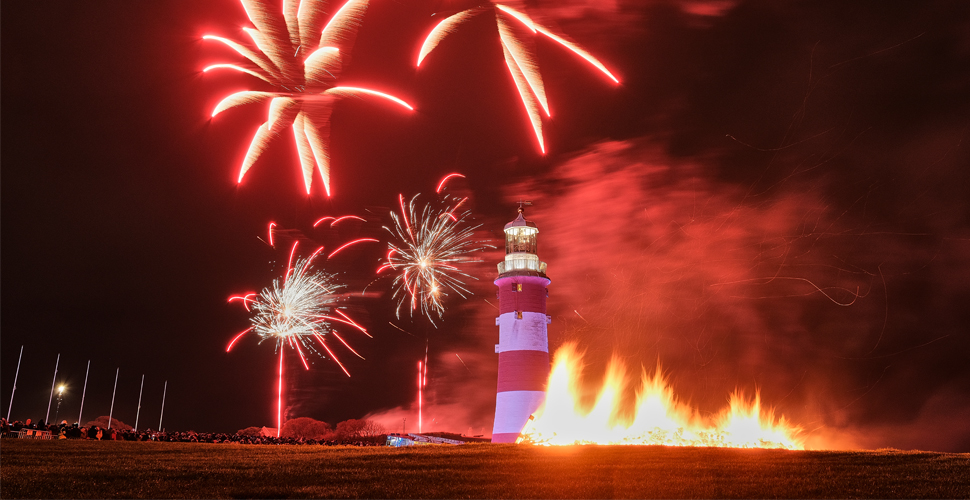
(774, 198)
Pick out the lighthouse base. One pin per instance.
(507, 437)
(512, 411)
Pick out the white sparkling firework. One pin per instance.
(299, 311)
(429, 243)
(296, 307)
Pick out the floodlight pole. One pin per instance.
(53, 382)
(160, 415)
(83, 393)
(138, 413)
(10, 406)
(111, 412)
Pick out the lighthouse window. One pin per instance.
(520, 239)
(518, 287)
(518, 314)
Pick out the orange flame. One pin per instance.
(658, 418)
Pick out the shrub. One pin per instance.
(249, 431)
(355, 429)
(102, 422)
(305, 427)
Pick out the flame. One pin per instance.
(657, 418)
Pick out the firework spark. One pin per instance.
(519, 51)
(429, 242)
(302, 61)
(335, 220)
(441, 184)
(298, 311)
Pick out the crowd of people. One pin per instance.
(64, 430)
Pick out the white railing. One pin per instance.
(521, 262)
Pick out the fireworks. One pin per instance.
(514, 27)
(302, 62)
(299, 311)
(429, 241)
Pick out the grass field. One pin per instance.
(85, 469)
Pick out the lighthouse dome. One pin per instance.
(521, 222)
(521, 249)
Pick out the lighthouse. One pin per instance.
(523, 346)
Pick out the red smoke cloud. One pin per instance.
(619, 11)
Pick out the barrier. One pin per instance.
(418, 439)
(34, 434)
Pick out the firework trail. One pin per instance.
(429, 242)
(422, 383)
(299, 55)
(515, 29)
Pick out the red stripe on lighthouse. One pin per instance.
(522, 371)
(531, 298)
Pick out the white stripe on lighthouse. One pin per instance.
(513, 409)
(526, 334)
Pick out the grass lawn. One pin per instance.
(85, 469)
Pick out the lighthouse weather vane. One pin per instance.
(523, 204)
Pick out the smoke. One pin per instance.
(621, 13)
(459, 395)
(589, 20)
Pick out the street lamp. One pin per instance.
(60, 397)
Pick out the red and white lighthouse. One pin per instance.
(523, 346)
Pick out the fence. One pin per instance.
(34, 434)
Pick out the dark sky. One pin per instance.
(774, 199)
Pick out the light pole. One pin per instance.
(113, 391)
(138, 413)
(162, 413)
(47, 416)
(83, 393)
(10, 406)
